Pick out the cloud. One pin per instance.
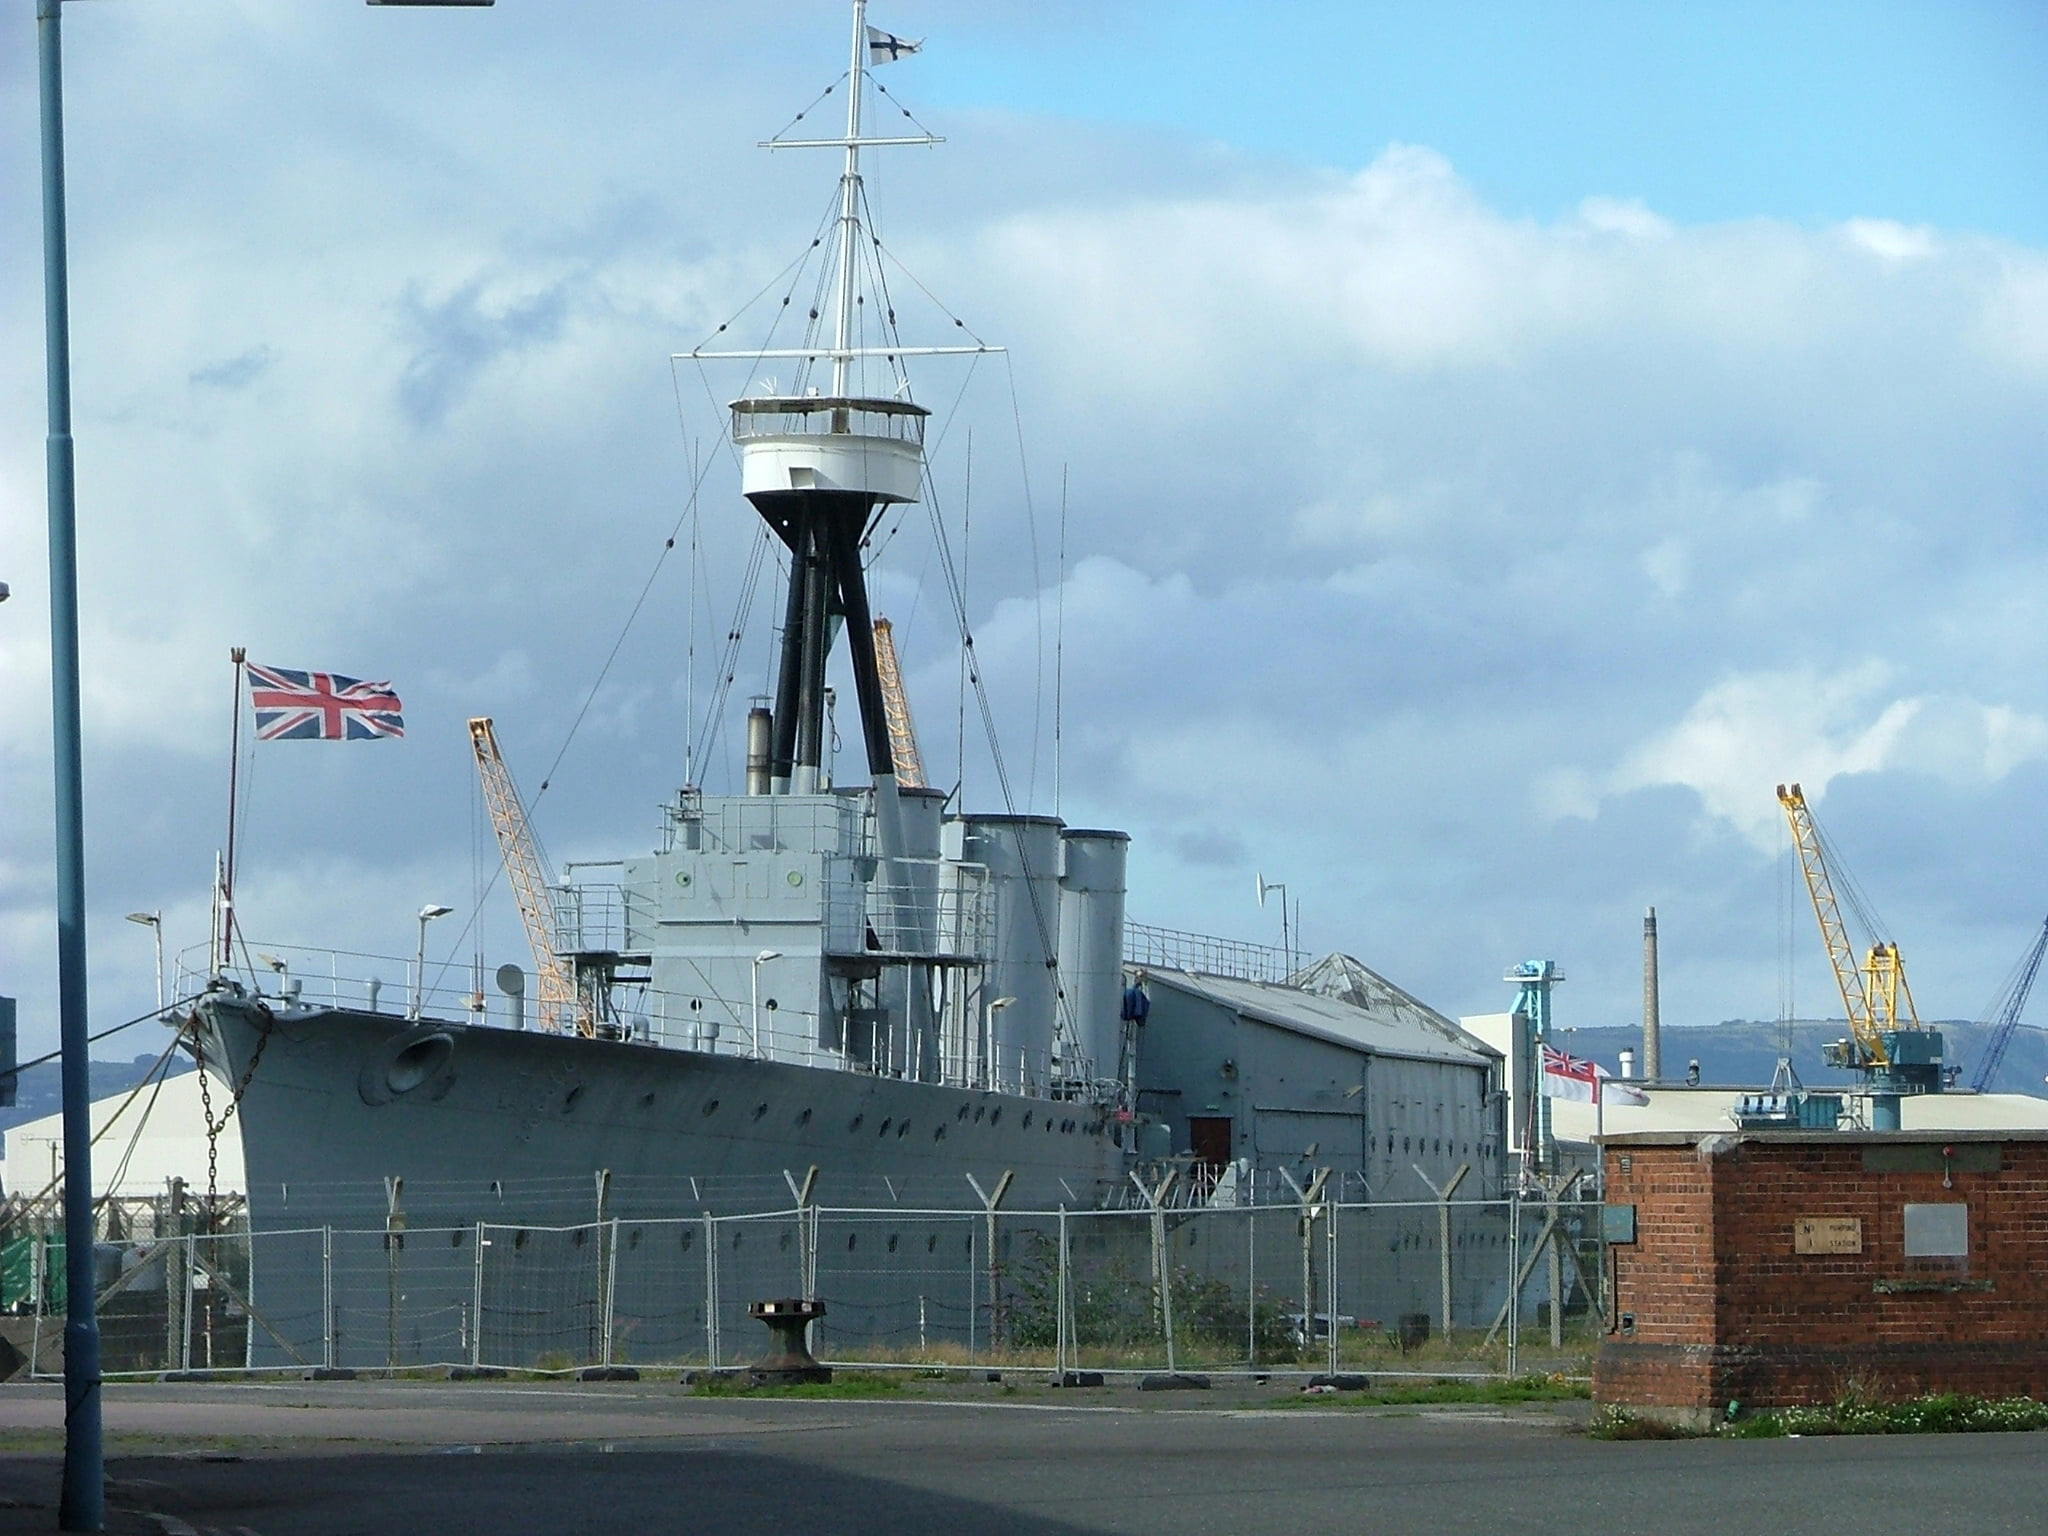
(237, 372)
(1748, 733)
(1475, 573)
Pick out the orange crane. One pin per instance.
(896, 705)
(526, 870)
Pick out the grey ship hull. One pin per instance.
(486, 1124)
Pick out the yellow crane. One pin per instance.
(896, 705)
(526, 870)
(1889, 1045)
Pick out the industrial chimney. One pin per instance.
(1653, 1064)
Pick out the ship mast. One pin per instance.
(849, 199)
(819, 468)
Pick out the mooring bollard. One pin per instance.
(789, 1362)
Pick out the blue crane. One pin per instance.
(2006, 1013)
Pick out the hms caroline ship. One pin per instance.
(860, 980)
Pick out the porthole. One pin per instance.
(902, 1129)
(569, 1099)
(931, 1244)
(857, 1122)
(519, 1239)
(647, 1101)
(683, 879)
(887, 1123)
(892, 1242)
(711, 1106)
(689, 1237)
(455, 1238)
(995, 1114)
(961, 1114)
(795, 878)
(852, 1241)
(576, 1238)
(979, 1111)
(760, 1110)
(938, 1133)
(1027, 1119)
(633, 1238)
(805, 1117)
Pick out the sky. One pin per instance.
(1453, 459)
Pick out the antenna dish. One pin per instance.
(511, 981)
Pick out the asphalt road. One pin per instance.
(407, 1457)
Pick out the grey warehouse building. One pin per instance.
(1336, 1068)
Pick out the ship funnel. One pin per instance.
(760, 740)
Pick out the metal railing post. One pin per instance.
(995, 1269)
(186, 1264)
(1514, 1303)
(1251, 1282)
(609, 1333)
(1550, 1199)
(1330, 1282)
(602, 1320)
(476, 1302)
(1062, 1338)
(1162, 1278)
(711, 1290)
(1443, 1238)
(330, 1351)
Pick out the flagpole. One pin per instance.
(227, 884)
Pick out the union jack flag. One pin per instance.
(321, 706)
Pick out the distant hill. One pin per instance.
(40, 1090)
(1746, 1051)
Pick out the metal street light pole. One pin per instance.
(154, 921)
(428, 913)
(82, 1505)
(760, 960)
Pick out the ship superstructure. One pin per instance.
(860, 978)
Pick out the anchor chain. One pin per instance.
(215, 1127)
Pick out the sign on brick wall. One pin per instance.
(1827, 1234)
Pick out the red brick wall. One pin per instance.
(1724, 1307)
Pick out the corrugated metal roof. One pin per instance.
(1388, 1022)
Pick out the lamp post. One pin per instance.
(82, 1504)
(760, 960)
(988, 1039)
(419, 970)
(154, 921)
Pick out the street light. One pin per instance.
(155, 922)
(82, 1504)
(419, 971)
(988, 1040)
(760, 960)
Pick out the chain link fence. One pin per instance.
(1317, 1285)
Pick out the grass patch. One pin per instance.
(1447, 1389)
(844, 1385)
(1934, 1414)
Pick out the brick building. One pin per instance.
(1783, 1267)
